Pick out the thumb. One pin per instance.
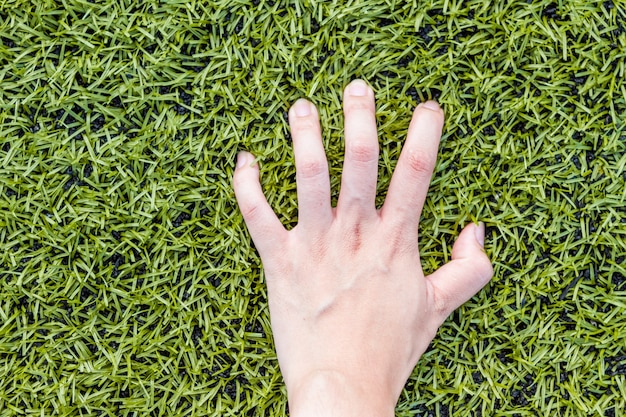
(460, 279)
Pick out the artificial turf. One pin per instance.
(128, 282)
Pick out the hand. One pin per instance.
(351, 309)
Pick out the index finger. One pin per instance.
(411, 178)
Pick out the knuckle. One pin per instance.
(359, 104)
(310, 168)
(362, 151)
(478, 267)
(353, 238)
(239, 180)
(318, 249)
(420, 162)
(400, 243)
(441, 304)
(276, 265)
(303, 125)
(484, 268)
(250, 212)
(431, 115)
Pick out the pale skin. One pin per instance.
(350, 307)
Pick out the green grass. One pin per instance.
(129, 285)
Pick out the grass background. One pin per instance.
(128, 283)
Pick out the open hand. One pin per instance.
(351, 309)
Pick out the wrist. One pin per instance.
(332, 394)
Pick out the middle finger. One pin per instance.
(360, 168)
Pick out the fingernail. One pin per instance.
(432, 105)
(302, 108)
(479, 231)
(241, 159)
(357, 88)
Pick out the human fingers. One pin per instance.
(311, 166)
(411, 178)
(360, 168)
(266, 230)
(460, 279)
